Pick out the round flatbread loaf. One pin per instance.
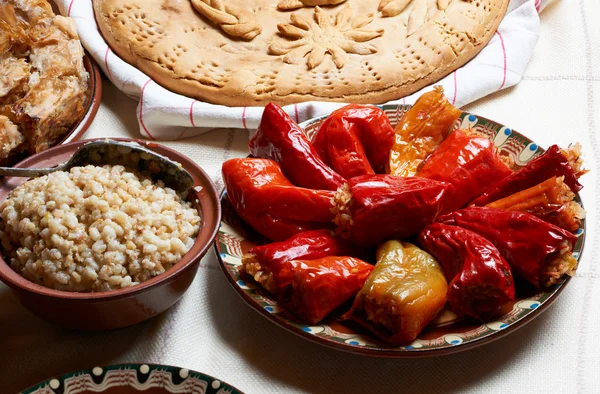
(251, 52)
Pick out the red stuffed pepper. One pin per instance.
(355, 140)
(470, 163)
(569, 216)
(538, 250)
(312, 289)
(551, 200)
(553, 162)
(480, 279)
(373, 208)
(270, 203)
(279, 138)
(264, 262)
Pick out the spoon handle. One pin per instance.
(26, 172)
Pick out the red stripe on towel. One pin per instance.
(108, 73)
(244, 117)
(192, 113)
(141, 110)
(296, 112)
(455, 89)
(70, 5)
(504, 56)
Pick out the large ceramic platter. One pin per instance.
(133, 379)
(448, 333)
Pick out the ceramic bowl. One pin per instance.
(447, 333)
(124, 307)
(132, 379)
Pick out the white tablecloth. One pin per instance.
(211, 330)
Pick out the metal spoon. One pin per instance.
(128, 154)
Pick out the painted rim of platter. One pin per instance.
(229, 251)
(139, 376)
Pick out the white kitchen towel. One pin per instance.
(164, 115)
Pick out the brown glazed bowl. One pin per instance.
(124, 307)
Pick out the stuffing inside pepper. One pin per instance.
(573, 155)
(252, 267)
(555, 268)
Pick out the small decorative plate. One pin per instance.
(132, 379)
(448, 333)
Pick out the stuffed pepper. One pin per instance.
(374, 208)
(467, 161)
(551, 200)
(538, 250)
(554, 162)
(264, 262)
(569, 216)
(402, 296)
(480, 279)
(420, 131)
(279, 138)
(312, 289)
(270, 203)
(355, 140)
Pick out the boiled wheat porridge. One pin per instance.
(95, 229)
